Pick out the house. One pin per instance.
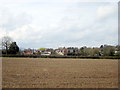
(72, 51)
(28, 52)
(61, 51)
(47, 51)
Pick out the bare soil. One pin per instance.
(59, 73)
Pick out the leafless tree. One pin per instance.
(6, 41)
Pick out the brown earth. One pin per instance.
(59, 73)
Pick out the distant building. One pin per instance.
(28, 51)
(61, 51)
(73, 51)
(46, 53)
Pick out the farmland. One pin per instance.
(59, 73)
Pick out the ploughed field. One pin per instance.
(59, 73)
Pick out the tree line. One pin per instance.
(10, 47)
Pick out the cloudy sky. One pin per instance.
(58, 23)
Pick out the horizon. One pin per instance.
(67, 47)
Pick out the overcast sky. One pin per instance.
(58, 23)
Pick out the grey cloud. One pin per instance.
(76, 29)
(11, 20)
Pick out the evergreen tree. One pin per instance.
(13, 49)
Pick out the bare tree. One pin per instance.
(6, 41)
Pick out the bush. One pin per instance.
(53, 56)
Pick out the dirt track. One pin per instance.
(59, 73)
